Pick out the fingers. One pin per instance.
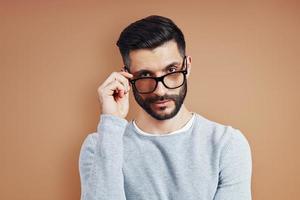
(126, 74)
(115, 88)
(116, 84)
(122, 77)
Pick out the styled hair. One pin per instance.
(149, 33)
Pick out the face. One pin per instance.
(162, 103)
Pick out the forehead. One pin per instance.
(155, 59)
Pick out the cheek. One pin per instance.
(175, 91)
(143, 97)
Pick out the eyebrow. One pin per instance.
(138, 73)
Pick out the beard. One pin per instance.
(146, 103)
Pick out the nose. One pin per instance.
(160, 90)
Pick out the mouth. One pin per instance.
(162, 103)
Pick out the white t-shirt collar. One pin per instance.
(184, 128)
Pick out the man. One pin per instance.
(166, 152)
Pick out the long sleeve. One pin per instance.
(235, 169)
(100, 161)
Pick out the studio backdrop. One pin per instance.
(54, 55)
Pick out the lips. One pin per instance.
(162, 103)
(158, 102)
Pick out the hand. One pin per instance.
(113, 94)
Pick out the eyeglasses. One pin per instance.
(172, 80)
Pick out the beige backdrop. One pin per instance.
(54, 55)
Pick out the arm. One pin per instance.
(235, 169)
(100, 161)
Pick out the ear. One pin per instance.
(189, 65)
(125, 68)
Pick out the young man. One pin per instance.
(166, 152)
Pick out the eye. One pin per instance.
(145, 74)
(172, 69)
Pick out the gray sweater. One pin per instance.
(204, 160)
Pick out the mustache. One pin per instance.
(161, 98)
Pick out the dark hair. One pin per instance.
(149, 33)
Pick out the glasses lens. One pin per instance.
(145, 85)
(174, 80)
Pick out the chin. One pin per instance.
(164, 114)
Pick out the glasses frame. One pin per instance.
(161, 78)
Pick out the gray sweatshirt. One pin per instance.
(204, 160)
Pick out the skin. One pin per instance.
(113, 93)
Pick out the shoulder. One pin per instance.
(221, 136)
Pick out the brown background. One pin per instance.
(54, 55)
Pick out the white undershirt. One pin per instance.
(184, 128)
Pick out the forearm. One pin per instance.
(236, 169)
(101, 159)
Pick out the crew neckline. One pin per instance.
(182, 129)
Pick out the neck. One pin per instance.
(151, 125)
